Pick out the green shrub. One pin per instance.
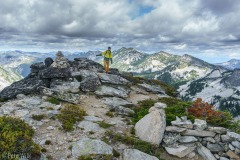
(110, 114)
(3, 100)
(142, 109)
(48, 142)
(104, 125)
(53, 100)
(175, 107)
(16, 138)
(95, 156)
(38, 117)
(143, 146)
(69, 115)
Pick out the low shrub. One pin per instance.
(143, 146)
(104, 125)
(203, 110)
(53, 100)
(142, 109)
(69, 115)
(95, 156)
(38, 117)
(16, 139)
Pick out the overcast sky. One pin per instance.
(208, 29)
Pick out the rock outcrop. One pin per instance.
(211, 143)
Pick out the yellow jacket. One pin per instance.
(107, 54)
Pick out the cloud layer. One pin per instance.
(204, 28)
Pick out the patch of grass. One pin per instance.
(50, 108)
(116, 153)
(3, 100)
(110, 114)
(142, 109)
(70, 147)
(134, 80)
(53, 100)
(176, 107)
(16, 138)
(38, 117)
(95, 156)
(48, 142)
(143, 146)
(44, 150)
(91, 132)
(49, 157)
(69, 115)
(104, 125)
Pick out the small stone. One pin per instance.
(131, 154)
(216, 156)
(219, 130)
(191, 155)
(21, 96)
(187, 139)
(175, 129)
(93, 119)
(86, 146)
(180, 151)
(234, 135)
(232, 155)
(236, 144)
(198, 133)
(209, 139)
(90, 126)
(204, 152)
(171, 138)
(50, 128)
(215, 147)
(226, 138)
(223, 158)
(231, 147)
(160, 105)
(186, 124)
(200, 124)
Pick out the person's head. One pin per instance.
(109, 48)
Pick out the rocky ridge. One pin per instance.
(84, 83)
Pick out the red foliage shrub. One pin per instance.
(204, 110)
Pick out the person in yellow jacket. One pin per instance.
(107, 57)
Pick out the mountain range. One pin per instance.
(217, 84)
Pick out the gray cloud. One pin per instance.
(201, 26)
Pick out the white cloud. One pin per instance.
(177, 25)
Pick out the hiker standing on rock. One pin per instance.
(107, 57)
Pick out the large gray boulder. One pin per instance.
(50, 73)
(110, 91)
(87, 146)
(234, 135)
(113, 79)
(151, 127)
(131, 154)
(86, 64)
(88, 79)
(24, 86)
